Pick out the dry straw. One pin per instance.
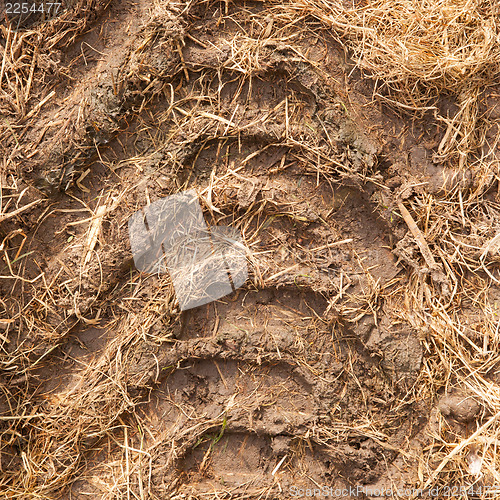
(419, 50)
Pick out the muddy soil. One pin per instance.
(308, 376)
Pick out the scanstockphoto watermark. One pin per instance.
(400, 493)
(204, 263)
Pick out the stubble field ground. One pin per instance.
(355, 147)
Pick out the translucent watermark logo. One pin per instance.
(172, 235)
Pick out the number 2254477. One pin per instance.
(49, 8)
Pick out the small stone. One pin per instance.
(460, 407)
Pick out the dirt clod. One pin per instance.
(461, 407)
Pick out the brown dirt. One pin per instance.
(321, 363)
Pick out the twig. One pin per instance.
(4, 217)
